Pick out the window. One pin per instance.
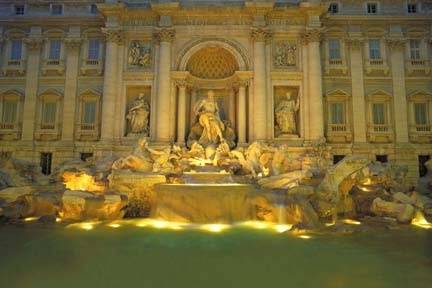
(56, 9)
(372, 8)
(414, 49)
(9, 112)
(54, 50)
(337, 113)
(89, 114)
(378, 114)
(420, 113)
(412, 8)
(49, 110)
(333, 8)
(374, 49)
(334, 49)
(84, 156)
(16, 50)
(45, 163)
(93, 49)
(338, 158)
(19, 9)
(93, 9)
(381, 158)
(422, 159)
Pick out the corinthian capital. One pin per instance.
(396, 43)
(260, 35)
(33, 43)
(165, 35)
(73, 43)
(113, 35)
(312, 36)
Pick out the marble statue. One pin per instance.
(138, 116)
(139, 54)
(140, 160)
(285, 115)
(209, 129)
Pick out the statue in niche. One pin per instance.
(286, 114)
(285, 55)
(138, 116)
(209, 129)
(139, 54)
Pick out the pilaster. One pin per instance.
(34, 44)
(73, 45)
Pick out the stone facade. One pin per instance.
(358, 70)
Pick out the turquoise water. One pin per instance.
(36, 256)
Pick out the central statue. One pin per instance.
(208, 128)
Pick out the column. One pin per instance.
(72, 63)
(165, 37)
(113, 38)
(241, 112)
(260, 87)
(31, 85)
(399, 92)
(358, 94)
(232, 107)
(181, 114)
(305, 116)
(315, 85)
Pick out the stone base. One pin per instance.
(203, 203)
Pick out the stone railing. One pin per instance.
(55, 66)
(335, 66)
(418, 66)
(380, 133)
(376, 65)
(339, 133)
(87, 131)
(91, 67)
(14, 67)
(10, 131)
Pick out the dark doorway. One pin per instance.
(84, 156)
(422, 159)
(381, 158)
(45, 163)
(337, 158)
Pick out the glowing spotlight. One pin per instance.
(215, 228)
(30, 219)
(329, 224)
(256, 224)
(420, 221)
(86, 226)
(280, 228)
(351, 222)
(58, 219)
(114, 225)
(304, 236)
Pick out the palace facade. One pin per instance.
(74, 73)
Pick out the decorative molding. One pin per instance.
(113, 35)
(313, 35)
(165, 35)
(73, 43)
(260, 34)
(396, 42)
(33, 43)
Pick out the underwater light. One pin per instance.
(304, 236)
(215, 228)
(114, 225)
(351, 222)
(420, 221)
(280, 228)
(29, 219)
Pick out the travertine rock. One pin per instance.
(284, 181)
(424, 184)
(404, 213)
(400, 197)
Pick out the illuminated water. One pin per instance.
(34, 256)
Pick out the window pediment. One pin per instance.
(379, 95)
(51, 95)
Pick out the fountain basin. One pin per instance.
(203, 203)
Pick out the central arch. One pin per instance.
(234, 49)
